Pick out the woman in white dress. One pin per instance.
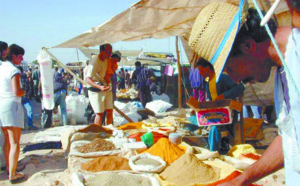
(11, 110)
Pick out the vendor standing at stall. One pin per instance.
(251, 57)
(284, 151)
(100, 94)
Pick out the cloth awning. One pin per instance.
(146, 19)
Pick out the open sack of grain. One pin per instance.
(97, 147)
(114, 178)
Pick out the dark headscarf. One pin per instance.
(3, 47)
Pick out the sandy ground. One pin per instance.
(43, 167)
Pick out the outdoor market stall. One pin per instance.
(123, 147)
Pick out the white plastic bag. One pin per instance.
(76, 106)
(147, 168)
(135, 106)
(121, 106)
(46, 79)
(163, 97)
(82, 103)
(158, 106)
(120, 120)
(71, 109)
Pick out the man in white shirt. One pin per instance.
(100, 94)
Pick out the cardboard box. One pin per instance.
(252, 127)
(214, 112)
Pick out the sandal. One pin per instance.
(17, 178)
(19, 168)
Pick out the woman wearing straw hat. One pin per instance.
(250, 60)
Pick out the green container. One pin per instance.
(147, 138)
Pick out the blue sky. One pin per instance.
(33, 24)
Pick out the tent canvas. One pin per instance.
(146, 19)
(176, 18)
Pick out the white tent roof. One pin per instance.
(146, 19)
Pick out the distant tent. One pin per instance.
(129, 57)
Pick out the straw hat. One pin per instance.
(209, 29)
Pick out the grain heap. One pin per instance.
(147, 161)
(189, 169)
(106, 163)
(97, 144)
(109, 178)
(166, 150)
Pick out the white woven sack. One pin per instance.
(147, 168)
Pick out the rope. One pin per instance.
(277, 49)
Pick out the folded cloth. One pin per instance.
(45, 145)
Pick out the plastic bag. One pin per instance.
(158, 106)
(120, 120)
(163, 97)
(46, 79)
(147, 138)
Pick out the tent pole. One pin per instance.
(179, 75)
(64, 66)
(241, 100)
(83, 82)
(266, 5)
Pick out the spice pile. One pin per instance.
(189, 169)
(97, 144)
(147, 161)
(166, 150)
(106, 163)
(108, 179)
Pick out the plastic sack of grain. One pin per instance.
(147, 163)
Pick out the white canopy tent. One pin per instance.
(146, 19)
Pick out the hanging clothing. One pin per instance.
(198, 84)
